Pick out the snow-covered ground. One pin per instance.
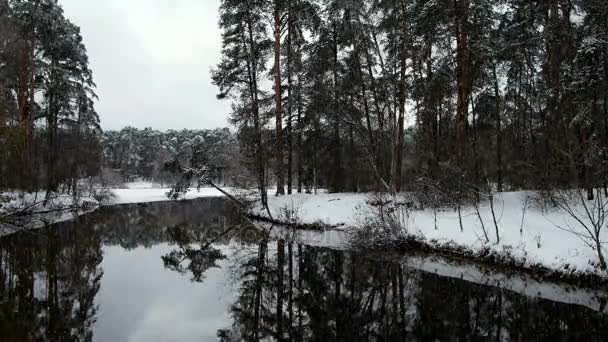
(62, 207)
(522, 283)
(31, 210)
(142, 192)
(543, 241)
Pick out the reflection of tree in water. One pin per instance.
(48, 283)
(194, 253)
(147, 224)
(294, 292)
(49, 278)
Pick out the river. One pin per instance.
(195, 271)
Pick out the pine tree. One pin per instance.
(244, 48)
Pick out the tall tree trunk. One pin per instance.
(498, 131)
(461, 10)
(337, 182)
(278, 94)
(300, 129)
(25, 103)
(401, 119)
(253, 92)
(289, 101)
(382, 159)
(552, 74)
(605, 98)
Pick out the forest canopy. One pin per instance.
(399, 95)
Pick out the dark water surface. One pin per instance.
(147, 273)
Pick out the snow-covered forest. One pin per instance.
(366, 170)
(394, 95)
(416, 104)
(131, 154)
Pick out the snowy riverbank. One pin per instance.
(20, 210)
(529, 237)
(33, 210)
(145, 192)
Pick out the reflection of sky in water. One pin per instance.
(140, 300)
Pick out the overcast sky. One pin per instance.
(151, 61)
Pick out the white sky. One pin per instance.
(151, 61)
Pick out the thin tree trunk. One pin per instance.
(400, 123)
(290, 102)
(278, 94)
(253, 89)
(300, 129)
(494, 218)
(337, 182)
(498, 132)
(462, 39)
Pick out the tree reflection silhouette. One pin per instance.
(347, 296)
(189, 259)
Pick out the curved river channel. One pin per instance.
(194, 271)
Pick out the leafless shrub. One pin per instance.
(387, 221)
(588, 217)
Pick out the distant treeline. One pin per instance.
(419, 94)
(148, 154)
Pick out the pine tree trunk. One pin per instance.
(337, 183)
(253, 92)
(25, 107)
(401, 119)
(278, 94)
(605, 98)
(300, 129)
(289, 103)
(461, 12)
(498, 132)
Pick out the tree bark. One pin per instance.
(400, 121)
(278, 94)
(462, 42)
(498, 132)
(289, 101)
(253, 90)
(337, 181)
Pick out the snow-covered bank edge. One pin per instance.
(62, 207)
(530, 239)
(147, 193)
(523, 283)
(518, 282)
(502, 261)
(30, 211)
